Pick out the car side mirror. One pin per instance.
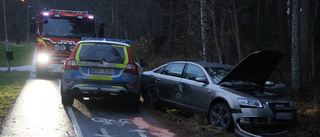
(33, 19)
(142, 62)
(45, 21)
(101, 30)
(201, 79)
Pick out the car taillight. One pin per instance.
(131, 68)
(71, 64)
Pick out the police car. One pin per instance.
(99, 67)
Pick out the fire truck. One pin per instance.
(57, 32)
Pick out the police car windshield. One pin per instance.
(68, 28)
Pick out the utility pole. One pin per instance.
(28, 25)
(5, 28)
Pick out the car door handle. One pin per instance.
(157, 80)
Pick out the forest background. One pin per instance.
(223, 31)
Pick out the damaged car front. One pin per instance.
(256, 110)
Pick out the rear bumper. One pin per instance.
(102, 90)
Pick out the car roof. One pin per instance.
(206, 64)
(212, 64)
(105, 42)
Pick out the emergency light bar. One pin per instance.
(69, 11)
(106, 39)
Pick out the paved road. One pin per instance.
(38, 112)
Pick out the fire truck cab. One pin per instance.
(57, 32)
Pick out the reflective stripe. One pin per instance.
(77, 54)
(40, 40)
(100, 78)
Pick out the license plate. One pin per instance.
(283, 116)
(101, 71)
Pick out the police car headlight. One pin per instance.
(43, 58)
(62, 47)
(71, 47)
(56, 47)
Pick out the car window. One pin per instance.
(102, 52)
(174, 69)
(193, 71)
(216, 74)
(159, 70)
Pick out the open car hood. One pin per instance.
(256, 67)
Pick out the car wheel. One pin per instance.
(66, 99)
(150, 97)
(220, 116)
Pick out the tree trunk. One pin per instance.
(283, 31)
(295, 57)
(236, 32)
(305, 40)
(203, 29)
(313, 65)
(215, 31)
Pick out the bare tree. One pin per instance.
(216, 34)
(236, 31)
(295, 56)
(203, 28)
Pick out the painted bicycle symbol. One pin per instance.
(120, 122)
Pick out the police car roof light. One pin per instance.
(106, 39)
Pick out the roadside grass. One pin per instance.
(22, 55)
(11, 83)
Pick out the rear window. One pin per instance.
(102, 52)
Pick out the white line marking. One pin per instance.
(140, 132)
(74, 121)
(104, 133)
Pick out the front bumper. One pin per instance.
(265, 121)
(50, 68)
(244, 133)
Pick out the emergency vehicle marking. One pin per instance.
(41, 41)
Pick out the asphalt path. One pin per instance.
(38, 112)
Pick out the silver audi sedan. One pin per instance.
(241, 97)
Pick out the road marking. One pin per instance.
(120, 122)
(74, 121)
(140, 132)
(104, 133)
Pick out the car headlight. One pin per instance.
(63, 47)
(71, 47)
(43, 58)
(249, 102)
(56, 47)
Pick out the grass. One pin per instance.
(11, 84)
(22, 55)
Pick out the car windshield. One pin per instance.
(102, 53)
(68, 28)
(216, 74)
